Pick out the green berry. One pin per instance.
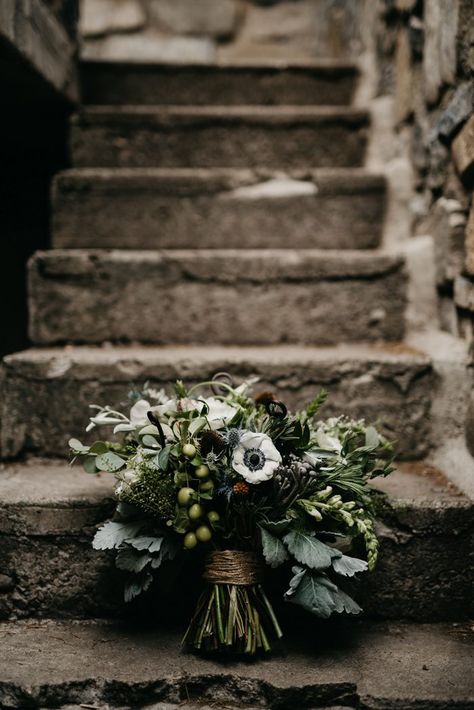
(202, 471)
(189, 450)
(190, 541)
(206, 486)
(196, 511)
(185, 496)
(213, 516)
(203, 533)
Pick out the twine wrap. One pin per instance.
(233, 567)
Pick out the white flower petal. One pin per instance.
(138, 413)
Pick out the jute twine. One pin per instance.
(232, 567)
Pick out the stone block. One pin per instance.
(439, 58)
(280, 137)
(216, 296)
(102, 17)
(464, 293)
(463, 151)
(149, 46)
(458, 110)
(446, 224)
(469, 243)
(217, 18)
(208, 209)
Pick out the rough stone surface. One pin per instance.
(446, 225)
(33, 31)
(371, 665)
(48, 513)
(206, 209)
(149, 46)
(46, 392)
(244, 83)
(469, 243)
(456, 112)
(218, 18)
(216, 296)
(277, 137)
(463, 151)
(464, 293)
(439, 56)
(100, 17)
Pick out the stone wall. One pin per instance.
(426, 59)
(210, 30)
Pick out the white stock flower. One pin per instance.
(255, 457)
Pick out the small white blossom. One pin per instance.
(255, 457)
(220, 413)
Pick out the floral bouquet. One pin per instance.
(249, 484)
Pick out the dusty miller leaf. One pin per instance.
(131, 560)
(317, 594)
(274, 550)
(152, 544)
(109, 462)
(309, 551)
(112, 534)
(349, 566)
(137, 585)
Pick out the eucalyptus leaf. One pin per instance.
(88, 464)
(164, 457)
(111, 535)
(78, 446)
(349, 566)
(310, 551)
(274, 550)
(149, 440)
(372, 438)
(109, 462)
(99, 447)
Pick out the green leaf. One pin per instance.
(78, 446)
(88, 464)
(276, 527)
(274, 550)
(349, 566)
(298, 574)
(149, 440)
(137, 585)
(130, 560)
(196, 425)
(99, 447)
(112, 534)
(310, 551)
(109, 462)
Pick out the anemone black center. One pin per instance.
(254, 459)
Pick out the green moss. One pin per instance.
(154, 492)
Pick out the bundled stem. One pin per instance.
(236, 618)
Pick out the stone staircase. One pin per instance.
(220, 218)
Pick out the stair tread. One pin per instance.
(216, 179)
(182, 115)
(382, 665)
(223, 65)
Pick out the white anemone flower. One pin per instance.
(220, 413)
(255, 457)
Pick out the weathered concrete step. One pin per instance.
(216, 296)
(234, 136)
(46, 392)
(387, 666)
(322, 82)
(149, 208)
(49, 511)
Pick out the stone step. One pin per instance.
(131, 208)
(49, 512)
(234, 297)
(46, 392)
(106, 665)
(100, 665)
(324, 82)
(234, 136)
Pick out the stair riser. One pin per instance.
(212, 142)
(46, 403)
(126, 215)
(60, 575)
(201, 86)
(182, 298)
